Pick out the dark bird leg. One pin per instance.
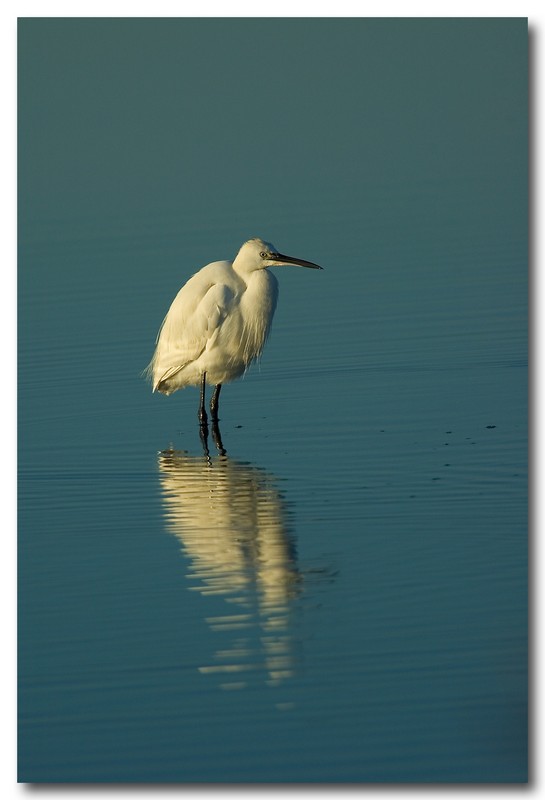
(215, 402)
(216, 436)
(203, 419)
(203, 433)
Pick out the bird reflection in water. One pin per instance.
(233, 526)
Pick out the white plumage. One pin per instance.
(218, 322)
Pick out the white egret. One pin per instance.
(218, 323)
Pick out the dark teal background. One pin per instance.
(388, 415)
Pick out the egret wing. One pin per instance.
(194, 318)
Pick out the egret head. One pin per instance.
(257, 254)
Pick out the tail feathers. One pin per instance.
(158, 381)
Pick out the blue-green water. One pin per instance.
(343, 596)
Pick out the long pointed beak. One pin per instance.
(298, 262)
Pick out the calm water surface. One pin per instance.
(339, 597)
(341, 594)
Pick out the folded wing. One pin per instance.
(193, 320)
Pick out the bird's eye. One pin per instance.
(263, 254)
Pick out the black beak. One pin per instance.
(298, 262)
